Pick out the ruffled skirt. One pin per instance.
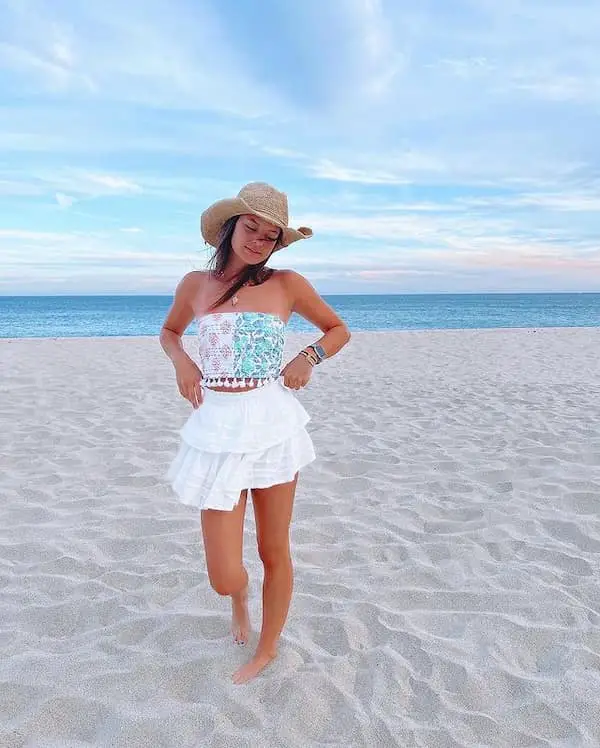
(240, 440)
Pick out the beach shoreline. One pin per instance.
(190, 332)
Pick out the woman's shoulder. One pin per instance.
(193, 280)
(195, 275)
(294, 283)
(289, 277)
(190, 286)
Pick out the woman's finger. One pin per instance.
(195, 397)
(189, 394)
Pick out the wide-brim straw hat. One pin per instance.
(258, 199)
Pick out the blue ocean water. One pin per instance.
(102, 316)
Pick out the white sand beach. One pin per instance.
(446, 546)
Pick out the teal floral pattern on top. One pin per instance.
(258, 342)
(241, 345)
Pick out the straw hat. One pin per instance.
(258, 199)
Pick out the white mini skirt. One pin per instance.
(240, 440)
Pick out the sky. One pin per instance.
(447, 146)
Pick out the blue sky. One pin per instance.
(433, 147)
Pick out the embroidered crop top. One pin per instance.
(240, 349)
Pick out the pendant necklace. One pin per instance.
(235, 298)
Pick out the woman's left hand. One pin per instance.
(297, 373)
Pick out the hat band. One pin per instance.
(278, 220)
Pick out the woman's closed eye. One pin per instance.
(254, 229)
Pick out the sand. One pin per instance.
(446, 545)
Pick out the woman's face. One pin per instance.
(254, 239)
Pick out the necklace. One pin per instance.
(235, 298)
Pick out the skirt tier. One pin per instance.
(240, 440)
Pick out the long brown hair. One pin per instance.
(252, 274)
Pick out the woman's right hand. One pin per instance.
(189, 378)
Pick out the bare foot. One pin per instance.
(253, 668)
(240, 619)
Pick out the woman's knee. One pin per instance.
(228, 582)
(223, 536)
(275, 555)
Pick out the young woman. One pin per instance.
(247, 431)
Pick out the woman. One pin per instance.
(247, 430)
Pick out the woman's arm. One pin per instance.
(306, 302)
(178, 319)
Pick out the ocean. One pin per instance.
(106, 316)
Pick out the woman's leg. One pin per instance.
(223, 534)
(273, 512)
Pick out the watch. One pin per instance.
(318, 349)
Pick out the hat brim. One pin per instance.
(214, 217)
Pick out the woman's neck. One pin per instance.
(227, 276)
(232, 271)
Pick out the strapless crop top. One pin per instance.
(240, 349)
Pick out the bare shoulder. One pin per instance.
(288, 274)
(306, 301)
(292, 281)
(190, 285)
(193, 279)
(182, 309)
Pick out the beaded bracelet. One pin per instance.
(310, 357)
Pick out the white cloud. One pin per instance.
(44, 50)
(450, 238)
(561, 202)
(64, 201)
(381, 55)
(75, 185)
(63, 53)
(325, 169)
(41, 236)
(113, 183)
(145, 53)
(20, 58)
(467, 67)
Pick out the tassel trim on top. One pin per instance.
(235, 383)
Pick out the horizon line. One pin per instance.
(324, 294)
